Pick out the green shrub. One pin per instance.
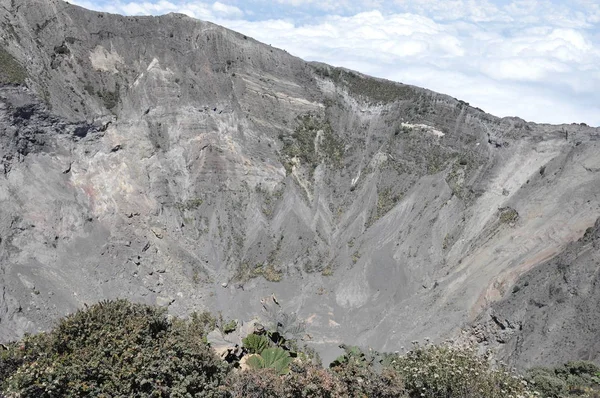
(577, 378)
(547, 383)
(119, 349)
(449, 371)
(364, 381)
(305, 381)
(229, 327)
(256, 383)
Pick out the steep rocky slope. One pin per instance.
(174, 162)
(553, 313)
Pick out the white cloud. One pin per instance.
(227, 11)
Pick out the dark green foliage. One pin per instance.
(119, 349)
(11, 72)
(577, 378)
(355, 356)
(547, 383)
(255, 344)
(229, 327)
(314, 382)
(16, 354)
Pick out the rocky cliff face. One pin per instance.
(552, 314)
(174, 162)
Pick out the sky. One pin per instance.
(536, 59)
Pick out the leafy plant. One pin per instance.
(256, 344)
(271, 358)
(229, 327)
(284, 327)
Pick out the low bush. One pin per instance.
(117, 349)
(574, 379)
(442, 371)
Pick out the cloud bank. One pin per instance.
(530, 58)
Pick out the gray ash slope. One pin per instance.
(160, 158)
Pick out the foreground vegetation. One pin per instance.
(120, 349)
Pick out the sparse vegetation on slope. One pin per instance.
(312, 142)
(11, 72)
(374, 90)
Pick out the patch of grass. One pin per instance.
(11, 72)
(270, 199)
(508, 215)
(446, 242)
(190, 204)
(386, 202)
(436, 160)
(269, 272)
